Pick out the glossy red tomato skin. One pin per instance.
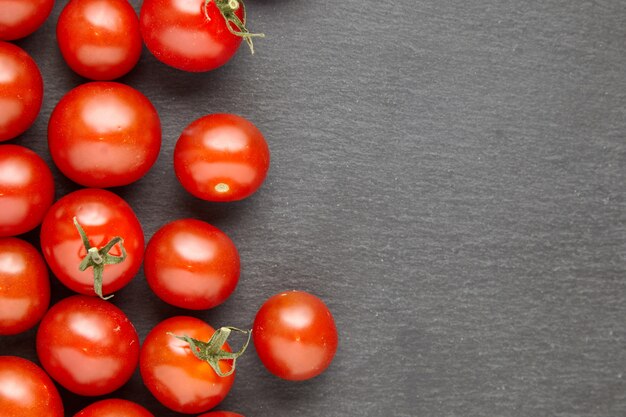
(170, 371)
(26, 190)
(21, 18)
(221, 414)
(114, 407)
(294, 335)
(221, 157)
(190, 264)
(104, 134)
(24, 286)
(21, 91)
(179, 34)
(38, 395)
(99, 39)
(87, 345)
(103, 215)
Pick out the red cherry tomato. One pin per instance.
(114, 408)
(221, 414)
(26, 390)
(104, 134)
(191, 35)
(294, 335)
(103, 216)
(191, 264)
(21, 90)
(221, 157)
(87, 345)
(26, 190)
(24, 286)
(171, 372)
(99, 39)
(21, 18)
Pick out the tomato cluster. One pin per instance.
(105, 134)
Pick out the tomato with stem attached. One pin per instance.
(26, 190)
(20, 18)
(26, 390)
(114, 407)
(87, 345)
(92, 241)
(194, 35)
(187, 365)
(221, 157)
(99, 39)
(104, 134)
(24, 286)
(191, 264)
(21, 90)
(294, 335)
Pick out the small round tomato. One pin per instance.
(175, 375)
(26, 390)
(26, 190)
(103, 217)
(193, 35)
(221, 157)
(24, 286)
(87, 345)
(99, 39)
(221, 414)
(191, 264)
(104, 134)
(21, 90)
(21, 18)
(114, 408)
(294, 335)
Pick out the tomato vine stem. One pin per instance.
(227, 9)
(98, 258)
(212, 352)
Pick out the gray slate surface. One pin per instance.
(449, 176)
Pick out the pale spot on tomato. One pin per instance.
(222, 188)
(11, 264)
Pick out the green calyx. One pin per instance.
(227, 9)
(98, 258)
(212, 352)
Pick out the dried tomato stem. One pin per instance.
(98, 258)
(212, 352)
(227, 9)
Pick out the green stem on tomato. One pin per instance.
(227, 9)
(98, 258)
(212, 352)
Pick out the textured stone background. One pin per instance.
(449, 176)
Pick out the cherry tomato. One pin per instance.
(221, 414)
(294, 335)
(26, 190)
(191, 35)
(191, 264)
(87, 345)
(104, 134)
(221, 157)
(21, 90)
(171, 372)
(26, 390)
(20, 18)
(99, 39)
(103, 216)
(114, 408)
(24, 286)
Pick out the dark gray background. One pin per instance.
(449, 176)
